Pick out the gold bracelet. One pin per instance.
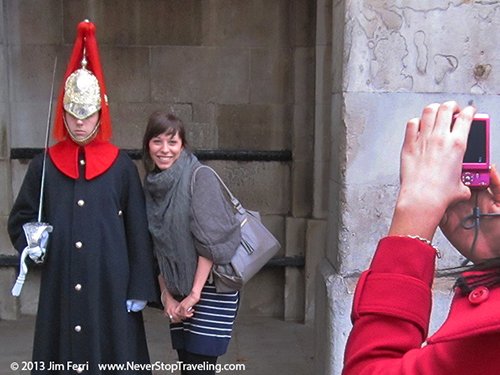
(426, 241)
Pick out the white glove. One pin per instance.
(135, 305)
(36, 253)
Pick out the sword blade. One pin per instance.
(47, 136)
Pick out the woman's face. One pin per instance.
(81, 130)
(165, 149)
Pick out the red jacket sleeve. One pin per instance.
(391, 308)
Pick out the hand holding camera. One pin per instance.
(431, 168)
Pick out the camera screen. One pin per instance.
(476, 143)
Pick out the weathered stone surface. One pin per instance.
(254, 127)
(207, 75)
(31, 68)
(270, 79)
(9, 307)
(257, 23)
(130, 120)
(270, 303)
(260, 186)
(126, 74)
(5, 188)
(32, 23)
(392, 48)
(131, 22)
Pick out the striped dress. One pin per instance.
(209, 330)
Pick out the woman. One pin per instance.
(392, 303)
(99, 270)
(187, 229)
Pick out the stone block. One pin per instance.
(5, 188)
(322, 159)
(254, 127)
(4, 83)
(294, 295)
(9, 307)
(391, 50)
(247, 24)
(304, 76)
(270, 77)
(130, 22)
(6, 247)
(260, 186)
(340, 46)
(295, 236)
(276, 224)
(31, 23)
(303, 187)
(31, 68)
(263, 295)
(130, 120)
(323, 81)
(126, 71)
(294, 277)
(29, 123)
(18, 171)
(324, 11)
(315, 251)
(219, 75)
(3, 39)
(4, 130)
(29, 295)
(302, 22)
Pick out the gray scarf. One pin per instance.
(168, 203)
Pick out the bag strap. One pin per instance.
(234, 201)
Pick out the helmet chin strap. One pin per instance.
(87, 139)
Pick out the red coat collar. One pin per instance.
(99, 156)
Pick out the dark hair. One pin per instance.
(161, 123)
(486, 273)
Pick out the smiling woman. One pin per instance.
(182, 222)
(165, 149)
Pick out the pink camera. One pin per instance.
(476, 163)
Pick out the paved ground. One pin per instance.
(263, 345)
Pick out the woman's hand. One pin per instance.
(170, 305)
(431, 164)
(454, 223)
(185, 308)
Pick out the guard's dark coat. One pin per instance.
(99, 255)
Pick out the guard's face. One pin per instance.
(81, 130)
(165, 149)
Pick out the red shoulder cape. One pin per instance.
(99, 156)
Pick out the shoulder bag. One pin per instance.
(257, 246)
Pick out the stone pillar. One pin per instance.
(389, 59)
(8, 305)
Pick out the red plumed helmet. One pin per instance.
(83, 92)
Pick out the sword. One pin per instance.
(36, 233)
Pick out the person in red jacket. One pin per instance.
(393, 298)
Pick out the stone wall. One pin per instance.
(396, 57)
(239, 73)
